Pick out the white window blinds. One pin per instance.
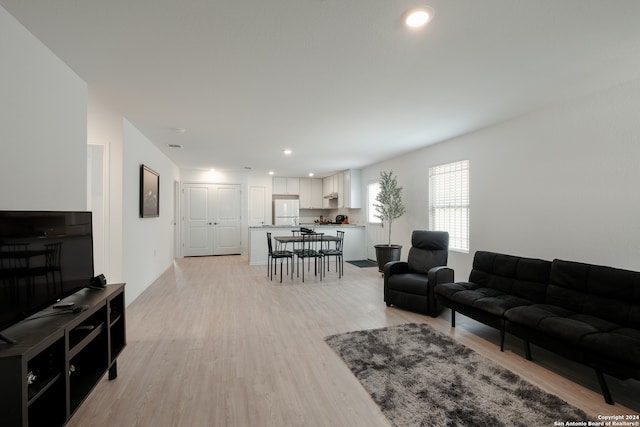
(449, 202)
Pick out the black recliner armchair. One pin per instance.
(410, 284)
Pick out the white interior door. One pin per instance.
(257, 204)
(211, 220)
(226, 219)
(198, 220)
(375, 236)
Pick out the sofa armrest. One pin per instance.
(437, 275)
(395, 267)
(391, 268)
(440, 274)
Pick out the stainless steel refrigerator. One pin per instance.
(286, 212)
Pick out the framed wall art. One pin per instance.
(149, 192)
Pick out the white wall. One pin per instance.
(43, 125)
(105, 127)
(559, 183)
(147, 249)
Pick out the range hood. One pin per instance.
(333, 195)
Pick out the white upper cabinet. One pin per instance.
(340, 189)
(351, 193)
(329, 188)
(279, 185)
(310, 193)
(330, 185)
(346, 185)
(284, 185)
(293, 185)
(305, 193)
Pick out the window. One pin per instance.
(372, 192)
(449, 202)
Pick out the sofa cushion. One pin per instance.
(499, 304)
(488, 300)
(525, 278)
(599, 280)
(559, 323)
(610, 293)
(621, 344)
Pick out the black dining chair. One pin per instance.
(278, 254)
(336, 252)
(295, 245)
(310, 248)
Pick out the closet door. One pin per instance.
(226, 219)
(211, 220)
(197, 220)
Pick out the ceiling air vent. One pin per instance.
(174, 145)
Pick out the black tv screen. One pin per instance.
(44, 256)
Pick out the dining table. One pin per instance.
(298, 238)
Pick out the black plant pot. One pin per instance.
(386, 253)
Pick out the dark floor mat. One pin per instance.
(363, 263)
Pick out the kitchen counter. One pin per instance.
(312, 226)
(354, 239)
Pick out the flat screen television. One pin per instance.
(44, 256)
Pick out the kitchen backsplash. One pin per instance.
(309, 216)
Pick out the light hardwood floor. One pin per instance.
(213, 342)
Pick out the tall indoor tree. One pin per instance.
(389, 207)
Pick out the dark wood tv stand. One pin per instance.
(59, 356)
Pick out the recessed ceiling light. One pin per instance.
(287, 152)
(271, 172)
(179, 130)
(418, 17)
(310, 173)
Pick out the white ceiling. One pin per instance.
(340, 82)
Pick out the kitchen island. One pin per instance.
(354, 240)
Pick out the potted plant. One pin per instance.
(389, 207)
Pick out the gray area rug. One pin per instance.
(420, 377)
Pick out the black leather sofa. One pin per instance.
(410, 284)
(496, 284)
(587, 313)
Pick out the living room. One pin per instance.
(557, 182)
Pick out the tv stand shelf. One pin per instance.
(59, 356)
